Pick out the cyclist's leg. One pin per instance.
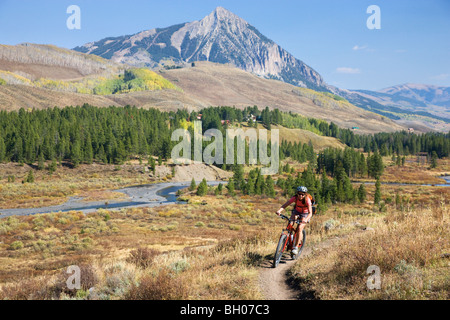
(299, 233)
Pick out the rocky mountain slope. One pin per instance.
(220, 37)
(421, 94)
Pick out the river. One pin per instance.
(148, 195)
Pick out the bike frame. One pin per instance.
(287, 239)
(291, 231)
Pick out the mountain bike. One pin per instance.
(286, 241)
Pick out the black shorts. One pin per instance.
(296, 213)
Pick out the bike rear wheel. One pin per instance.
(280, 248)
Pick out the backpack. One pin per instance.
(313, 203)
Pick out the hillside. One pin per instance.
(63, 70)
(209, 84)
(34, 61)
(304, 136)
(217, 84)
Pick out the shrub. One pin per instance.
(34, 289)
(143, 257)
(162, 287)
(180, 266)
(16, 245)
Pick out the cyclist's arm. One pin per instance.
(291, 200)
(310, 212)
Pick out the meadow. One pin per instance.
(215, 246)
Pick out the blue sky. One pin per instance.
(412, 46)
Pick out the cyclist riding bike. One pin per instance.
(302, 211)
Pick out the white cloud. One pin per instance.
(357, 47)
(347, 70)
(439, 77)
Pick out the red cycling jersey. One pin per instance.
(299, 206)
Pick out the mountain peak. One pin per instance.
(221, 37)
(221, 13)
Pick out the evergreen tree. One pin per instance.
(375, 165)
(362, 194)
(2, 150)
(202, 189)
(88, 151)
(259, 184)
(218, 190)
(41, 163)
(193, 185)
(152, 165)
(30, 177)
(362, 165)
(52, 167)
(269, 189)
(398, 202)
(377, 196)
(230, 188)
(238, 176)
(434, 158)
(76, 153)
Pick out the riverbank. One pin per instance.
(147, 195)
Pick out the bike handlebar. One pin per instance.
(282, 216)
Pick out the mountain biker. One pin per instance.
(302, 210)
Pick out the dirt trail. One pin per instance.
(273, 281)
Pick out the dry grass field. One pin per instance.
(214, 247)
(91, 181)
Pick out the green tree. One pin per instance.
(269, 189)
(238, 176)
(377, 196)
(41, 161)
(88, 151)
(434, 158)
(75, 154)
(193, 185)
(202, 189)
(218, 190)
(398, 202)
(362, 194)
(375, 165)
(2, 150)
(230, 188)
(152, 164)
(52, 166)
(30, 177)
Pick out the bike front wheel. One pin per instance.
(280, 248)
